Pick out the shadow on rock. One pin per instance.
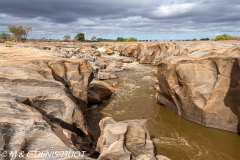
(232, 98)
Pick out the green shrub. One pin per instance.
(120, 39)
(132, 39)
(222, 37)
(9, 43)
(5, 36)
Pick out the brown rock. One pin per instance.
(103, 89)
(128, 50)
(147, 53)
(115, 84)
(127, 60)
(124, 140)
(42, 100)
(93, 97)
(109, 51)
(106, 75)
(205, 91)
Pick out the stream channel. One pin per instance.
(172, 135)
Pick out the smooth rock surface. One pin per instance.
(124, 140)
(205, 91)
(103, 89)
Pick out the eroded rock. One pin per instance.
(106, 75)
(205, 91)
(124, 140)
(103, 89)
(42, 102)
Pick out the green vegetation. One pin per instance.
(120, 39)
(105, 40)
(9, 43)
(5, 36)
(66, 37)
(205, 39)
(80, 37)
(132, 39)
(222, 37)
(20, 33)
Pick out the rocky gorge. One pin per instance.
(198, 81)
(47, 89)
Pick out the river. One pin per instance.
(172, 135)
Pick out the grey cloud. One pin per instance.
(100, 17)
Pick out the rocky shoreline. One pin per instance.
(45, 91)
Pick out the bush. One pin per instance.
(222, 37)
(132, 39)
(5, 36)
(9, 43)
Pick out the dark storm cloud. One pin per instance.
(98, 17)
(57, 10)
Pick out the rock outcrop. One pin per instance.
(125, 140)
(205, 91)
(155, 53)
(42, 101)
(98, 91)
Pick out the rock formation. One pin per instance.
(205, 91)
(154, 53)
(98, 91)
(44, 95)
(43, 98)
(125, 140)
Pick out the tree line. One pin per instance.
(81, 37)
(20, 33)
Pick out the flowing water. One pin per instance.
(173, 136)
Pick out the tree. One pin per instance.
(205, 39)
(5, 36)
(19, 32)
(94, 38)
(120, 39)
(222, 37)
(66, 37)
(80, 37)
(132, 39)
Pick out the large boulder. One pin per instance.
(205, 91)
(124, 140)
(128, 50)
(147, 53)
(100, 88)
(109, 51)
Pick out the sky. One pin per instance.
(143, 19)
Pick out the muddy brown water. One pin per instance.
(173, 136)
